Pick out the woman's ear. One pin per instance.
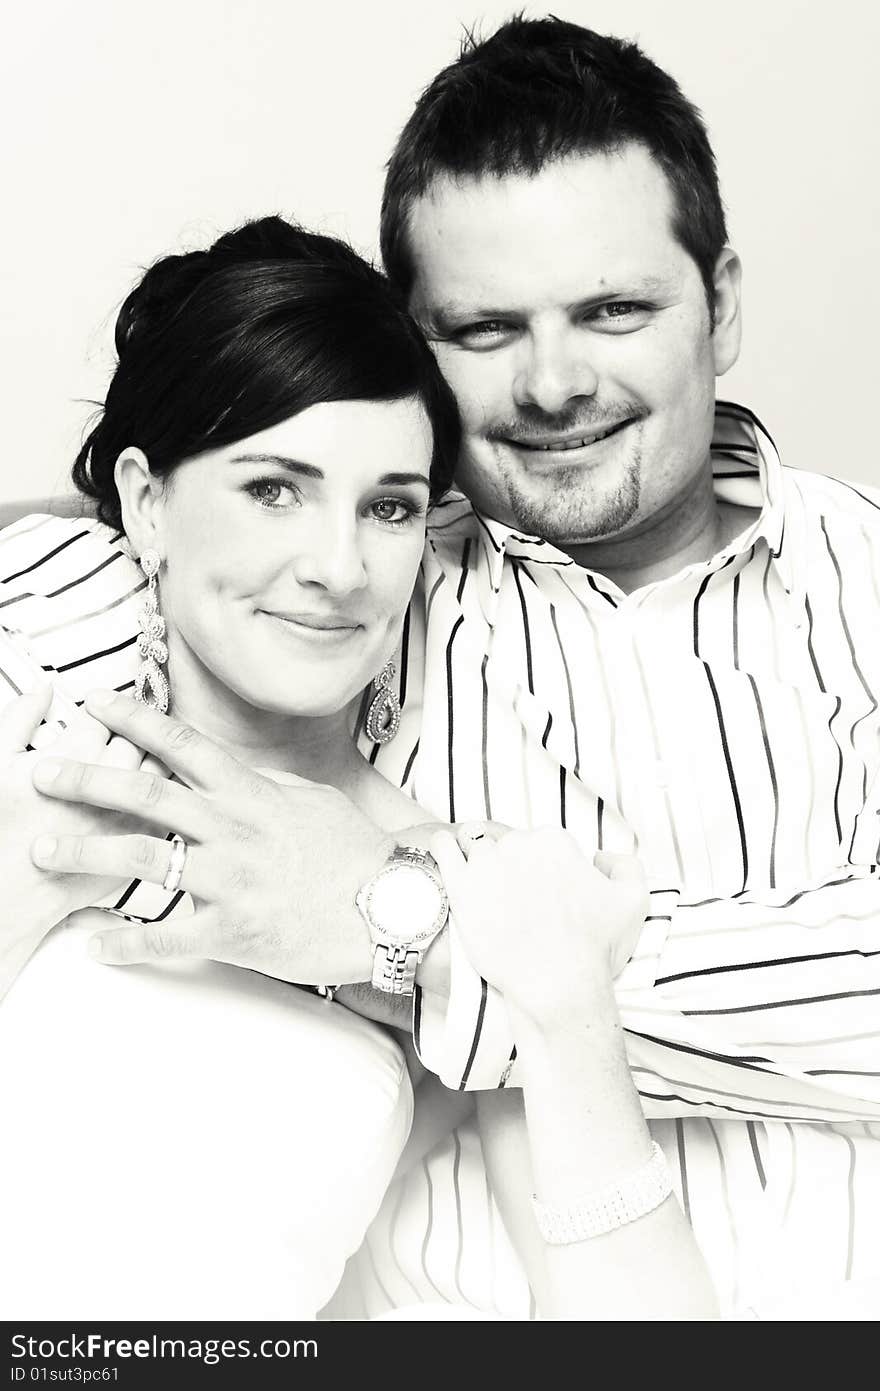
(140, 498)
(727, 331)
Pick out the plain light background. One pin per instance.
(135, 129)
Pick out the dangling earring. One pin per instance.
(383, 716)
(151, 683)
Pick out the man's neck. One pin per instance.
(689, 532)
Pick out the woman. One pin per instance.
(269, 445)
(281, 368)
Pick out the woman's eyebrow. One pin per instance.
(310, 470)
(399, 479)
(279, 461)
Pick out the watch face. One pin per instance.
(406, 903)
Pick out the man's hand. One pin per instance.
(34, 901)
(273, 867)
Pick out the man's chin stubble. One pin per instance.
(576, 514)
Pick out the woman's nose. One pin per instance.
(330, 555)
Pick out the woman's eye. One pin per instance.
(272, 492)
(391, 509)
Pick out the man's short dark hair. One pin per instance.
(539, 90)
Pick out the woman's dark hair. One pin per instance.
(217, 345)
(539, 90)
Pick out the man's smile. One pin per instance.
(567, 442)
(581, 440)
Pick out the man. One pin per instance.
(643, 630)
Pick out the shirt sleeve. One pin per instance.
(761, 1006)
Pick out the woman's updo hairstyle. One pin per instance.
(218, 345)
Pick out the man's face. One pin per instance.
(574, 330)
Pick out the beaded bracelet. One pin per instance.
(609, 1208)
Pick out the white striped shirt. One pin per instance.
(723, 723)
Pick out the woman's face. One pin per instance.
(289, 557)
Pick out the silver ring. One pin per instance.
(174, 874)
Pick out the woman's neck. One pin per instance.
(321, 747)
(318, 747)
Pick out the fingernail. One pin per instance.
(44, 847)
(100, 698)
(96, 948)
(47, 771)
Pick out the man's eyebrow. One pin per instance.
(631, 287)
(450, 313)
(310, 470)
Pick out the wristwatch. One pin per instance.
(405, 907)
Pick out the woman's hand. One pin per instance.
(538, 920)
(273, 864)
(34, 900)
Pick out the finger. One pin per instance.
(122, 857)
(288, 779)
(84, 738)
(20, 718)
(469, 834)
(623, 868)
(141, 942)
(119, 753)
(451, 863)
(495, 830)
(195, 758)
(139, 793)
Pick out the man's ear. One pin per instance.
(141, 497)
(727, 333)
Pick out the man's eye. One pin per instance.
(272, 493)
(622, 313)
(485, 333)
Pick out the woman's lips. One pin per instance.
(315, 626)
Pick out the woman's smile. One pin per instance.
(316, 627)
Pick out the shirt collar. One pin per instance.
(746, 469)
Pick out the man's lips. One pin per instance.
(561, 443)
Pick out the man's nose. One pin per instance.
(555, 368)
(331, 556)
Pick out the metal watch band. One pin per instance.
(412, 854)
(394, 969)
